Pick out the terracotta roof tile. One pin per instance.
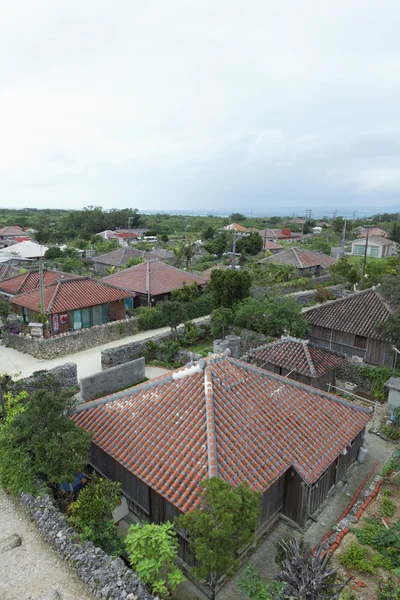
(71, 294)
(26, 282)
(255, 428)
(117, 258)
(357, 314)
(163, 278)
(297, 355)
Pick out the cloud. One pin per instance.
(160, 105)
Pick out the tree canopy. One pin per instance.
(228, 287)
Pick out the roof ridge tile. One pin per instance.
(210, 424)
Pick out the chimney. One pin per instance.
(287, 232)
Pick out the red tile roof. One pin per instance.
(71, 294)
(11, 230)
(373, 231)
(163, 278)
(301, 258)
(221, 417)
(299, 356)
(357, 314)
(279, 234)
(272, 246)
(26, 282)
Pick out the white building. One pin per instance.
(378, 247)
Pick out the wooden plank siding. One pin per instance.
(373, 351)
(271, 503)
(316, 382)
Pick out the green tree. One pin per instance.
(5, 309)
(153, 550)
(236, 217)
(48, 442)
(251, 244)
(164, 238)
(223, 524)
(91, 514)
(221, 318)
(346, 271)
(228, 287)
(209, 233)
(273, 316)
(173, 313)
(219, 245)
(390, 329)
(186, 294)
(320, 243)
(395, 232)
(132, 262)
(53, 253)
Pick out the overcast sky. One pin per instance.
(214, 105)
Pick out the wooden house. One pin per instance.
(299, 360)
(153, 281)
(223, 417)
(73, 303)
(348, 326)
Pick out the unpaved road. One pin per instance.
(32, 570)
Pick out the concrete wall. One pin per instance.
(112, 380)
(65, 376)
(68, 343)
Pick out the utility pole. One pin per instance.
(42, 306)
(148, 283)
(365, 253)
(344, 233)
(354, 215)
(130, 219)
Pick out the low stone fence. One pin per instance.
(307, 296)
(105, 577)
(357, 372)
(112, 380)
(68, 343)
(64, 375)
(112, 357)
(288, 288)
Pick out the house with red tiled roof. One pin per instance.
(372, 231)
(223, 417)
(28, 281)
(12, 231)
(348, 326)
(299, 360)
(153, 281)
(272, 247)
(240, 228)
(305, 261)
(73, 303)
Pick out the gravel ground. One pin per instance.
(32, 570)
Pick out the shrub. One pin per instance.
(221, 318)
(151, 318)
(200, 307)
(391, 432)
(152, 551)
(388, 590)
(323, 294)
(192, 333)
(170, 348)
(387, 508)
(357, 557)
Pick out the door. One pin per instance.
(96, 315)
(77, 319)
(85, 317)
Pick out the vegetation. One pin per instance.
(173, 314)
(228, 287)
(221, 319)
(272, 316)
(223, 524)
(302, 575)
(41, 441)
(153, 550)
(5, 309)
(91, 514)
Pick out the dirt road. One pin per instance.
(32, 570)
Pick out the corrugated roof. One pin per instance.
(71, 294)
(26, 282)
(297, 355)
(163, 278)
(357, 314)
(301, 258)
(230, 419)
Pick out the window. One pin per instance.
(85, 317)
(104, 313)
(128, 303)
(25, 315)
(373, 251)
(77, 319)
(359, 250)
(96, 315)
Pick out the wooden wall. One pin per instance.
(272, 502)
(317, 382)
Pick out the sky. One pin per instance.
(218, 106)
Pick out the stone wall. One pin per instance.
(112, 357)
(288, 288)
(68, 343)
(114, 379)
(65, 376)
(307, 296)
(105, 577)
(355, 372)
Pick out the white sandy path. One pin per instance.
(33, 569)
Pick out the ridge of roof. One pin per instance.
(350, 296)
(294, 250)
(309, 359)
(210, 424)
